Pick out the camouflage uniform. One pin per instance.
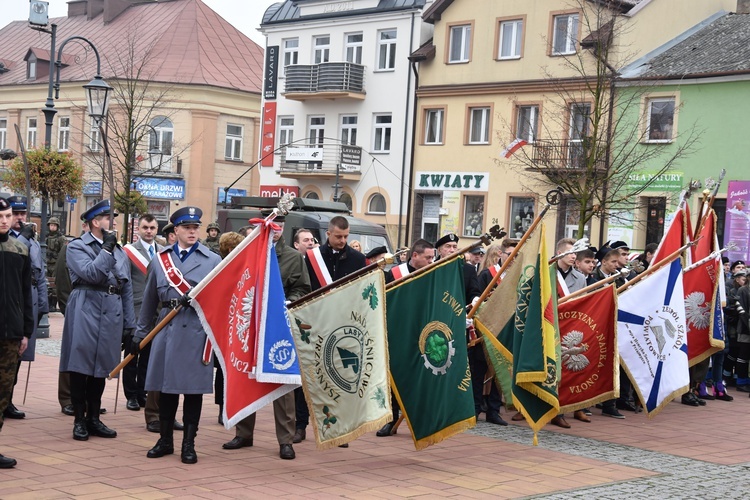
(55, 241)
(213, 243)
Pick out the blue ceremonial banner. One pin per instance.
(652, 337)
(277, 359)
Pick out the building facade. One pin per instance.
(338, 103)
(176, 66)
(497, 72)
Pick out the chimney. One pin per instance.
(113, 8)
(77, 8)
(743, 6)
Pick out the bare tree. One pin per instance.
(600, 144)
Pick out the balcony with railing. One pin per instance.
(329, 80)
(564, 155)
(321, 161)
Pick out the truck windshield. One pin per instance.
(369, 241)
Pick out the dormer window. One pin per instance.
(31, 67)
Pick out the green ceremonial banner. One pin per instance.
(428, 360)
(343, 355)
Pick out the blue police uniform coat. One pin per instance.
(175, 365)
(39, 297)
(95, 319)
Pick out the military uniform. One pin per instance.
(38, 293)
(99, 311)
(213, 243)
(16, 313)
(175, 366)
(55, 242)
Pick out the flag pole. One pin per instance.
(26, 388)
(553, 198)
(496, 232)
(664, 262)
(711, 199)
(592, 287)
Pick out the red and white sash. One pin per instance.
(494, 270)
(136, 257)
(562, 287)
(319, 266)
(400, 271)
(179, 283)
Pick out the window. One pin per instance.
(460, 44)
(521, 215)
(63, 133)
(317, 130)
(31, 67)
(94, 138)
(346, 199)
(163, 141)
(527, 123)
(433, 120)
(311, 195)
(233, 148)
(661, 119)
(354, 48)
(3, 133)
(479, 125)
(564, 34)
(322, 45)
(580, 120)
(349, 130)
(376, 205)
(473, 215)
(31, 133)
(382, 143)
(286, 130)
(291, 53)
(430, 215)
(386, 49)
(510, 39)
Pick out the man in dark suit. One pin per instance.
(327, 263)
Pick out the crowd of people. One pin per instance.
(113, 295)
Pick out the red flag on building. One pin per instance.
(588, 348)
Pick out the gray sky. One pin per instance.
(245, 15)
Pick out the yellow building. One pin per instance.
(176, 66)
(495, 72)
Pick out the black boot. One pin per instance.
(80, 432)
(188, 444)
(94, 425)
(165, 444)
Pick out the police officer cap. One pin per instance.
(101, 208)
(376, 251)
(279, 218)
(4, 205)
(450, 237)
(53, 220)
(17, 203)
(169, 228)
(617, 245)
(186, 215)
(477, 250)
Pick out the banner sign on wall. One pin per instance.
(278, 191)
(162, 189)
(269, 134)
(271, 72)
(737, 220)
(226, 197)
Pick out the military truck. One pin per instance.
(313, 215)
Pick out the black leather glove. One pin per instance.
(110, 241)
(135, 346)
(185, 300)
(28, 231)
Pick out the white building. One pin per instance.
(337, 75)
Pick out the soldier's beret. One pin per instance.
(450, 237)
(376, 251)
(4, 205)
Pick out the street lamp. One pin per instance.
(97, 90)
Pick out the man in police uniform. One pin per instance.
(16, 310)
(98, 316)
(296, 283)
(176, 363)
(25, 234)
(55, 242)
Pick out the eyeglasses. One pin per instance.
(505, 253)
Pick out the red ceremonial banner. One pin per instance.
(229, 306)
(679, 233)
(700, 284)
(588, 347)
